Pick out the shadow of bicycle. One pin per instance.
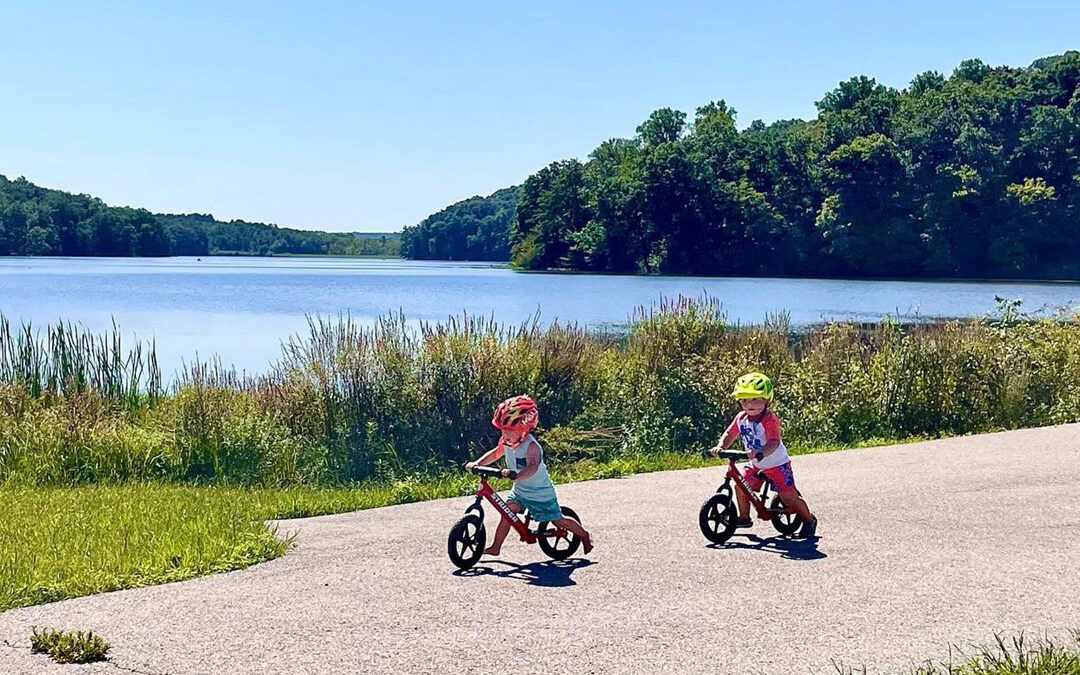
(553, 573)
(785, 547)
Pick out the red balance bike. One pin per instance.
(719, 514)
(468, 536)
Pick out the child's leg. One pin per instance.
(744, 504)
(750, 475)
(792, 500)
(575, 527)
(502, 530)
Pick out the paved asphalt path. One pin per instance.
(921, 546)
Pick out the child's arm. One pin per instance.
(532, 461)
(486, 458)
(731, 434)
(769, 446)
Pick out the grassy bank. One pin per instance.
(347, 403)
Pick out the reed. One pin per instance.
(351, 402)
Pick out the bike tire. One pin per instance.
(560, 548)
(466, 541)
(718, 517)
(786, 524)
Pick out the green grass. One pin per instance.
(1018, 656)
(66, 542)
(1041, 658)
(69, 646)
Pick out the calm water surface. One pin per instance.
(241, 308)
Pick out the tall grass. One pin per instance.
(1018, 656)
(349, 402)
(70, 361)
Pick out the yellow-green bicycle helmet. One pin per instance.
(753, 385)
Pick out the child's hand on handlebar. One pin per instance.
(714, 451)
(507, 473)
(469, 466)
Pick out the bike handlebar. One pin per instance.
(494, 473)
(734, 456)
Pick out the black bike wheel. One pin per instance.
(560, 548)
(466, 542)
(785, 523)
(717, 518)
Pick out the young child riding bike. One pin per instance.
(533, 490)
(759, 429)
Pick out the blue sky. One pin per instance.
(369, 116)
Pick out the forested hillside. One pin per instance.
(477, 228)
(39, 221)
(972, 175)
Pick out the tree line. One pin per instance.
(40, 221)
(974, 175)
(477, 228)
(201, 234)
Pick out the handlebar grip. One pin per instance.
(735, 456)
(494, 473)
(513, 475)
(759, 455)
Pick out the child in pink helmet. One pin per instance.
(533, 490)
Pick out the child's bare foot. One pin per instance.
(491, 550)
(587, 544)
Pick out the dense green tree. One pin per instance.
(473, 229)
(865, 219)
(974, 175)
(551, 211)
(663, 126)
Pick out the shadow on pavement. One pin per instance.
(791, 549)
(546, 573)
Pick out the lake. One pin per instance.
(241, 308)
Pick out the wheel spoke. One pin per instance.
(715, 519)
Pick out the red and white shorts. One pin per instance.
(780, 476)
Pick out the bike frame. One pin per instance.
(520, 526)
(763, 512)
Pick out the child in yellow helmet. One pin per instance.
(759, 429)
